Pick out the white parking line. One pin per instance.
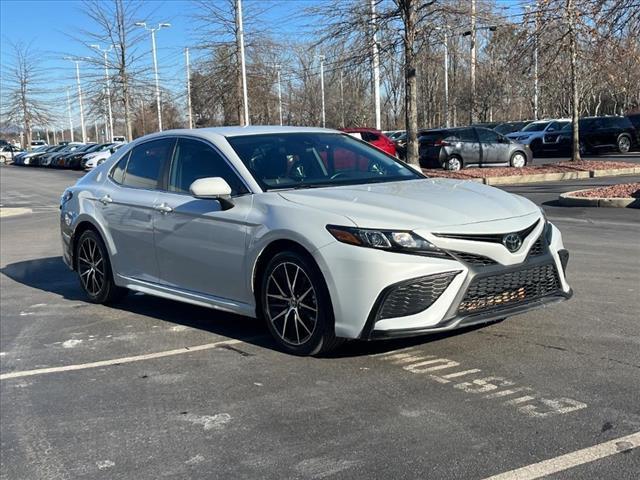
(573, 459)
(118, 361)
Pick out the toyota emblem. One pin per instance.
(512, 241)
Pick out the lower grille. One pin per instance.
(538, 247)
(511, 288)
(416, 295)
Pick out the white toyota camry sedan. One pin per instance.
(320, 234)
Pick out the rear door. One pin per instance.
(128, 208)
(199, 245)
(490, 145)
(470, 149)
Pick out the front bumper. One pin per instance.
(530, 292)
(359, 279)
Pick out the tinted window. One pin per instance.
(429, 138)
(145, 163)
(193, 160)
(117, 174)
(555, 126)
(487, 136)
(369, 136)
(535, 127)
(305, 160)
(466, 135)
(635, 120)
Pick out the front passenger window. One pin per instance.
(193, 160)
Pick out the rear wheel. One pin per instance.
(453, 164)
(518, 160)
(296, 305)
(94, 269)
(624, 144)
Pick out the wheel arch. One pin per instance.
(84, 224)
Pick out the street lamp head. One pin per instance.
(164, 25)
(97, 47)
(140, 24)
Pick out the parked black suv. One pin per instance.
(597, 134)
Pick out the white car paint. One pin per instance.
(355, 276)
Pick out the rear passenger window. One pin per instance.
(145, 163)
(466, 135)
(369, 136)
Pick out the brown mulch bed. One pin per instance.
(561, 167)
(623, 190)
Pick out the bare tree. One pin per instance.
(23, 90)
(113, 24)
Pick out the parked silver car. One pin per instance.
(456, 148)
(320, 234)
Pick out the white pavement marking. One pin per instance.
(13, 211)
(573, 459)
(118, 361)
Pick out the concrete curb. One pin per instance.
(552, 177)
(568, 199)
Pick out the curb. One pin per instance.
(569, 200)
(550, 177)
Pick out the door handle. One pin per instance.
(105, 200)
(163, 208)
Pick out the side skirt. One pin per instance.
(187, 296)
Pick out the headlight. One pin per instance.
(395, 241)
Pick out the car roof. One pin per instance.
(255, 130)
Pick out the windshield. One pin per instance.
(306, 160)
(535, 127)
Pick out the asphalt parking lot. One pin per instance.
(155, 389)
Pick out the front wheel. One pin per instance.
(94, 270)
(624, 144)
(296, 305)
(518, 160)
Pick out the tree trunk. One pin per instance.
(410, 15)
(575, 106)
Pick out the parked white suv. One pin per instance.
(533, 134)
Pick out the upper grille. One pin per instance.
(537, 248)
(473, 259)
(510, 288)
(414, 296)
(491, 237)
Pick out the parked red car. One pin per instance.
(375, 138)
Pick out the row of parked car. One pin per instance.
(71, 155)
(517, 143)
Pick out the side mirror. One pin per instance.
(214, 188)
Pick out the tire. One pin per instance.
(453, 163)
(518, 160)
(624, 144)
(296, 306)
(98, 284)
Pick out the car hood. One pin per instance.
(415, 204)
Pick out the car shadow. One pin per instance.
(52, 275)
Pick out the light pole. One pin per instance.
(105, 52)
(84, 132)
(321, 57)
(155, 63)
(69, 112)
(279, 94)
(189, 112)
(473, 32)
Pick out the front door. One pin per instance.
(128, 209)
(199, 245)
